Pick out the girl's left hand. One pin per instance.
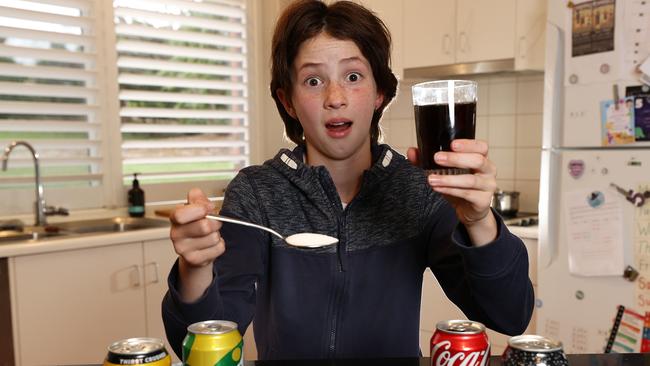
(469, 194)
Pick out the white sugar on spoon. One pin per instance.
(305, 240)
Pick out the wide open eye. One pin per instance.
(354, 77)
(313, 81)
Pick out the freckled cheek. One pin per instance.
(307, 104)
(361, 92)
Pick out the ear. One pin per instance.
(286, 103)
(379, 100)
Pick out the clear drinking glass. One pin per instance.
(445, 110)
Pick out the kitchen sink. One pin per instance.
(81, 227)
(110, 225)
(28, 233)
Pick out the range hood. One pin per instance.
(483, 67)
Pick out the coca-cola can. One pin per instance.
(460, 343)
(534, 350)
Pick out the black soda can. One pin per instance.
(534, 350)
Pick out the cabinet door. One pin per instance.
(531, 35)
(485, 30)
(435, 307)
(159, 257)
(391, 12)
(429, 28)
(71, 305)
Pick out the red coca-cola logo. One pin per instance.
(441, 355)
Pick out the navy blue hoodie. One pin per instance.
(361, 297)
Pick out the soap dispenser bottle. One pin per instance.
(136, 198)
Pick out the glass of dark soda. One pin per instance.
(445, 110)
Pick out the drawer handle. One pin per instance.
(446, 43)
(156, 268)
(462, 41)
(136, 282)
(522, 47)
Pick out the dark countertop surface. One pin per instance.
(609, 359)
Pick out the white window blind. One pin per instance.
(48, 93)
(182, 89)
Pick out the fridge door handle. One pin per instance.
(549, 196)
(553, 86)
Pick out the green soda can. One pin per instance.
(214, 343)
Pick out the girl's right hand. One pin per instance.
(196, 239)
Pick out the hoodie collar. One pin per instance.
(290, 163)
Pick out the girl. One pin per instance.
(331, 81)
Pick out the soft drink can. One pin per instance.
(213, 342)
(534, 350)
(460, 343)
(138, 351)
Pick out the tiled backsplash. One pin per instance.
(509, 117)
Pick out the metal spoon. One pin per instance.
(307, 240)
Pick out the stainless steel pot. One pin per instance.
(506, 202)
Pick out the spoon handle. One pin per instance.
(245, 223)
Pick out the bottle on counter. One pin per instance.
(136, 198)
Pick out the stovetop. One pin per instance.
(521, 219)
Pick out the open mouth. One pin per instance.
(338, 125)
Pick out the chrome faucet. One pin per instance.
(41, 210)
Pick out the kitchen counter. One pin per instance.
(609, 359)
(525, 232)
(54, 244)
(62, 243)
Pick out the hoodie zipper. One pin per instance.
(339, 283)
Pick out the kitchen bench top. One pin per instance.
(525, 232)
(102, 239)
(61, 243)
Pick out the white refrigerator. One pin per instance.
(590, 232)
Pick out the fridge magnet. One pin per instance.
(637, 90)
(592, 29)
(576, 168)
(634, 162)
(617, 124)
(630, 273)
(596, 199)
(642, 118)
(627, 332)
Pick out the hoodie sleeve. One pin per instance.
(490, 283)
(231, 295)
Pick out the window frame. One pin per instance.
(113, 193)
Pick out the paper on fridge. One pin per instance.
(594, 232)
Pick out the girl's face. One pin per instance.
(334, 97)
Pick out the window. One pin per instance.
(183, 94)
(49, 98)
(106, 89)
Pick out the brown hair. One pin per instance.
(343, 20)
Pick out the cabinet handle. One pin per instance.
(136, 282)
(522, 47)
(156, 267)
(446, 43)
(462, 41)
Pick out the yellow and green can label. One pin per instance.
(224, 349)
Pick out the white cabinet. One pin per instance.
(68, 306)
(391, 13)
(429, 36)
(485, 30)
(531, 35)
(159, 257)
(436, 307)
(444, 32)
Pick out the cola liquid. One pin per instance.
(435, 129)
